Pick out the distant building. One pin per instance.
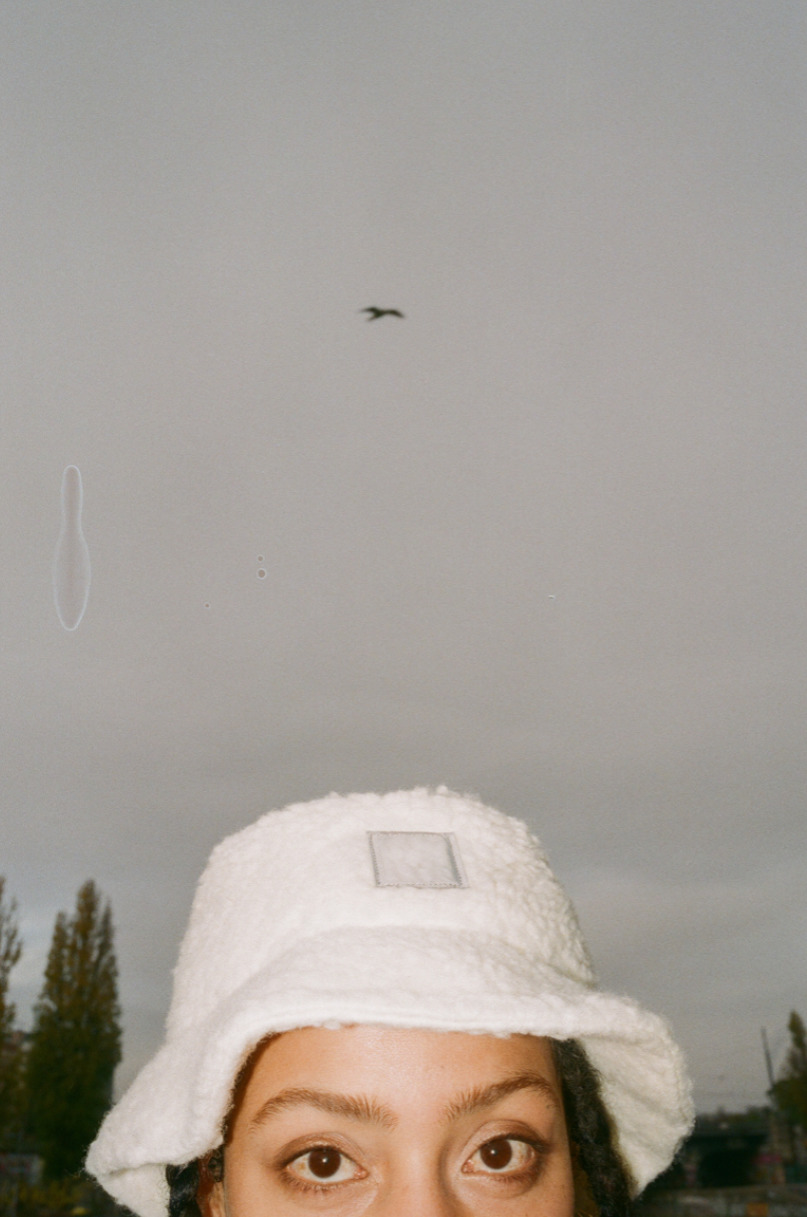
(728, 1149)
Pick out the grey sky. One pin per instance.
(543, 540)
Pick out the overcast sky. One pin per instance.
(542, 540)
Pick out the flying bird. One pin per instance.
(375, 313)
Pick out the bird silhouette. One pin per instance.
(375, 313)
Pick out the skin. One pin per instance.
(385, 1122)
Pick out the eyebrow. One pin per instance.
(486, 1096)
(368, 1111)
(355, 1107)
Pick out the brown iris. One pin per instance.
(496, 1154)
(324, 1161)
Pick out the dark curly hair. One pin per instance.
(603, 1184)
(606, 1185)
(183, 1185)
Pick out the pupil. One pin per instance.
(324, 1162)
(496, 1154)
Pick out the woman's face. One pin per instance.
(401, 1123)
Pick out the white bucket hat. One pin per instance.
(414, 909)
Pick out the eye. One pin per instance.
(502, 1156)
(324, 1164)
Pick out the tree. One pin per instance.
(76, 1039)
(10, 1057)
(791, 1088)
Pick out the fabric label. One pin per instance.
(416, 859)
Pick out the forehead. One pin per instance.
(399, 1066)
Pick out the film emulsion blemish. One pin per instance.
(71, 566)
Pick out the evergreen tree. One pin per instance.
(10, 1056)
(75, 1043)
(791, 1089)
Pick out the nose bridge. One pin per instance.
(423, 1193)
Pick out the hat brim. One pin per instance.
(397, 977)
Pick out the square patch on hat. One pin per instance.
(416, 859)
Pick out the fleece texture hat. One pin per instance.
(414, 909)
